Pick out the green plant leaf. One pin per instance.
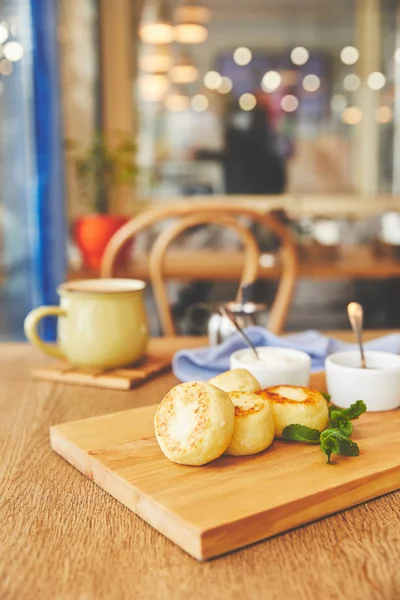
(301, 433)
(333, 441)
(355, 410)
(346, 427)
(341, 421)
(102, 167)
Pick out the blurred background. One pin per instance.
(108, 107)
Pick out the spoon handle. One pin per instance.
(356, 316)
(226, 313)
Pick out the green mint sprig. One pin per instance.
(335, 439)
(301, 433)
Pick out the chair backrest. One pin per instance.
(202, 213)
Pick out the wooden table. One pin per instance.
(63, 538)
(357, 262)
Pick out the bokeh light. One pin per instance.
(289, 103)
(13, 51)
(212, 80)
(200, 102)
(225, 86)
(271, 81)
(6, 67)
(242, 56)
(176, 102)
(351, 82)
(383, 114)
(352, 115)
(299, 55)
(376, 80)
(311, 83)
(247, 101)
(153, 87)
(3, 32)
(349, 55)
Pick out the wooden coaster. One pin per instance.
(113, 379)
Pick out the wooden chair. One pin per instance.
(195, 214)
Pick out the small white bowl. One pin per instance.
(378, 385)
(278, 366)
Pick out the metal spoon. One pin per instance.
(355, 312)
(227, 313)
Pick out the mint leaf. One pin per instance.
(333, 441)
(346, 427)
(339, 420)
(326, 396)
(355, 410)
(301, 433)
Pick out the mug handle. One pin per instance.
(30, 327)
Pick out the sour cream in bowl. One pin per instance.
(275, 366)
(378, 385)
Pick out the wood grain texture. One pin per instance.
(63, 538)
(233, 501)
(113, 379)
(351, 263)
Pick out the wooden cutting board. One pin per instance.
(232, 502)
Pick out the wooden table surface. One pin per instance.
(62, 537)
(353, 262)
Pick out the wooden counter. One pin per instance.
(353, 262)
(63, 538)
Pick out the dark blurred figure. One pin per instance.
(250, 160)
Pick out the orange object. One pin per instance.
(92, 234)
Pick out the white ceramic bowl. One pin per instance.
(278, 366)
(378, 386)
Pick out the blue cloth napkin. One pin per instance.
(203, 363)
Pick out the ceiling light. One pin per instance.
(338, 102)
(192, 11)
(299, 55)
(177, 100)
(190, 19)
(200, 103)
(351, 82)
(155, 58)
(311, 83)
(383, 114)
(155, 26)
(13, 51)
(225, 86)
(352, 115)
(376, 80)
(271, 81)
(349, 55)
(190, 33)
(184, 71)
(242, 56)
(289, 103)
(247, 101)
(3, 32)
(212, 80)
(153, 87)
